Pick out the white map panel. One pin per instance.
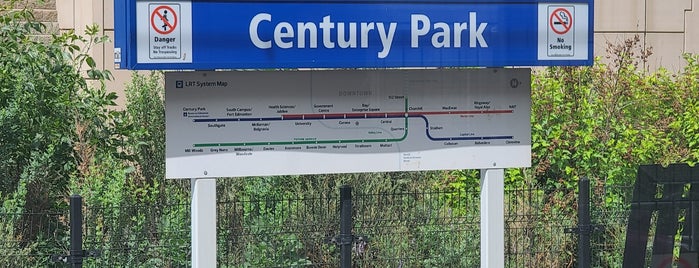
(259, 123)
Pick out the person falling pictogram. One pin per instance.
(165, 21)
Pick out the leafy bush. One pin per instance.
(144, 126)
(605, 120)
(136, 218)
(45, 104)
(59, 136)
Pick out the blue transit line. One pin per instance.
(429, 136)
(470, 138)
(210, 120)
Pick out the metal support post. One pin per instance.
(694, 218)
(76, 231)
(203, 223)
(345, 237)
(584, 250)
(492, 218)
(77, 254)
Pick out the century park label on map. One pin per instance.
(258, 123)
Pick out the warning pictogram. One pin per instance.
(163, 19)
(164, 31)
(561, 21)
(561, 33)
(564, 31)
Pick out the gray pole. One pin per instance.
(76, 231)
(492, 217)
(584, 251)
(203, 217)
(345, 226)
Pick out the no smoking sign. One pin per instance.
(164, 33)
(561, 31)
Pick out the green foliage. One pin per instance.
(600, 122)
(274, 251)
(144, 128)
(44, 100)
(37, 91)
(447, 245)
(48, 116)
(605, 120)
(103, 185)
(264, 241)
(686, 127)
(135, 218)
(60, 135)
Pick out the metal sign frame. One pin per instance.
(350, 34)
(261, 123)
(462, 33)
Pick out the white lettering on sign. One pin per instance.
(353, 35)
(284, 34)
(420, 26)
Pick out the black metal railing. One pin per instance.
(396, 229)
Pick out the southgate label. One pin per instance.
(358, 34)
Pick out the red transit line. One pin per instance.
(387, 115)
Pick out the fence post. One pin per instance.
(76, 231)
(345, 237)
(584, 250)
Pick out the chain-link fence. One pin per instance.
(394, 229)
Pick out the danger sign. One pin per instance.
(561, 21)
(163, 19)
(164, 31)
(165, 36)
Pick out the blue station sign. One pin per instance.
(209, 35)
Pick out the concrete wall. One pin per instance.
(76, 14)
(44, 12)
(670, 27)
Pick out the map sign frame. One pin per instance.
(262, 123)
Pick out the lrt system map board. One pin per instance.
(259, 123)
